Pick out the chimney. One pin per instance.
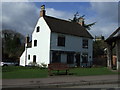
(42, 12)
(27, 39)
(81, 21)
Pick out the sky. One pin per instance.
(23, 16)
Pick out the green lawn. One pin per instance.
(13, 72)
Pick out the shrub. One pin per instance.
(44, 65)
(33, 64)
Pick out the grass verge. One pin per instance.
(14, 72)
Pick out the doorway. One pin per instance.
(34, 59)
(77, 56)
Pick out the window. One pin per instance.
(84, 58)
(56, 56)
(35, 42)
(61, 41)
(28, 57)
(34, 58)
(70, 58)
(38, 29)
(85, 43)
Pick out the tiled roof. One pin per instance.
(115, 35)
(66, 27)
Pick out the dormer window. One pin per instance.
(38, 29)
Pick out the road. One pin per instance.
(60, 81)
(96, 86)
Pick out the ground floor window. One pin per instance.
(34, 58)
(56, 57)
(28, 57)
(84, 58)
(70, 58)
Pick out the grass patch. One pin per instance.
(91, 71)
(23, 72)
(14, 72)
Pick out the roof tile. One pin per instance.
(66, 27)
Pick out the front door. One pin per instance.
(77, 56)
(34, 59)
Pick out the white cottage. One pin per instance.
(57, 40)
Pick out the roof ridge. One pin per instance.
(116, 31)
(60, 19)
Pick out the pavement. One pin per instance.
(60, 81)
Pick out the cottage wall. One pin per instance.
(22, 59)
(41, 51)
(72, 43)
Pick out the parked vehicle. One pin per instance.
(9, 64)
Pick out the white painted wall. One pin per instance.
(22, 59)
(42, 49)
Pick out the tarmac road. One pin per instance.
(60, 81)
(96, 86)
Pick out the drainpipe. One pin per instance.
(26, 45)
(26, 55)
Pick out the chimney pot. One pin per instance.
(42, 12)
(27, 39)
(81, 21)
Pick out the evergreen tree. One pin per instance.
(76, 18)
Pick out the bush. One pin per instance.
(33, 64)
(44, 65)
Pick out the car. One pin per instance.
(9, 64)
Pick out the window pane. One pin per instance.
(38, 29)
(61, 41)
(85, 43)
(35, 42)
(84, 58)
(28, 57)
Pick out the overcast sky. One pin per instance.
(22, 16)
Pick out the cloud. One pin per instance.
(106, 17)
(22, 17)
(106, 10)
(19, 16)
(59, 14)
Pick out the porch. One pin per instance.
(113, 43)
(72, 58)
